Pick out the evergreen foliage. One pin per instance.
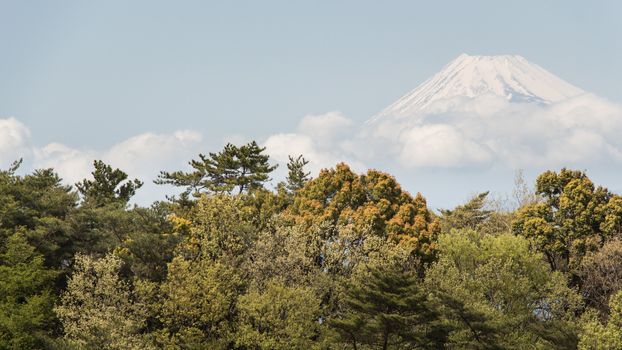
(297, 177)
(245, 168)
(470, 215)
(107, 186)
(389, 309)
(26, 296)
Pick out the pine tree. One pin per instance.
(467, 216)
(254, 167)
(37, 203)
(106, 187)
(389, 308)
(245, 168)
(481, 332)
(296, 176)
(26, 299)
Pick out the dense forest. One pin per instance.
(340, 261)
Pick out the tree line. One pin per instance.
(340, 261)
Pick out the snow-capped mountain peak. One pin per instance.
(508, 76)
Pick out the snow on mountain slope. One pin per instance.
(508, 76)
(477, 112)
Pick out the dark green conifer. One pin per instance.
(26, 296)
(245, 168)
(296, 176)
(389, 309)
(106, 187)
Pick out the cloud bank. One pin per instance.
(141, 156)
(14, 139)
(489, 130)
(465, 133)
(478, 135)
(324, 140)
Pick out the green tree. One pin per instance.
(244, 167)
(468, 327)
(389, 309)
(104, 222)
(297, 177)
(107, 186)
(98, 230)
(262, 206)
(373, 202)
(573, 218)
(279, 317)
(470, 215)
(204, 279)
(479, 213)
(26, 296)
(149, 241)
(100, 310)
(603, 336)
(198, 308)
(509, 293)
(219, 228)
(39, 203)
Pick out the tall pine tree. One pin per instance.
(107, 186)
(297, 177)
(389, 309)
(244, 168)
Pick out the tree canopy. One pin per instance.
(107, 186)
(573, 218)
(243, 168)
(344, 260)
(373, 201)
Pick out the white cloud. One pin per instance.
(481, 133)
(323, 128)
(14, 140)
(481, 141)
(71, 164)
(281, 146)
(141, 156)
(145, 154)
(324, 140)
(491, 131)
(440, 145)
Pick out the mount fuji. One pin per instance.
(476, 121)
(511, 77)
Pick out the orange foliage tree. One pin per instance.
(374, 202)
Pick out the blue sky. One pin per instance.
(123, 67)
(92, 74)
